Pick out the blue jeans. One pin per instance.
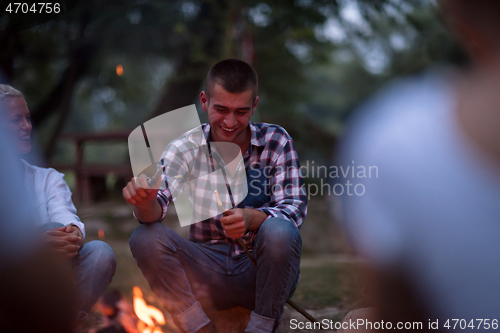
(185, 275)
(93, 269)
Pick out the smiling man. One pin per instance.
(211, 268)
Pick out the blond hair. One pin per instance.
(7, 91)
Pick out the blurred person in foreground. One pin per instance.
(429, 224)
(36, 291)
(93, 263)
(211, 265)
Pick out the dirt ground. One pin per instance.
(330, 284)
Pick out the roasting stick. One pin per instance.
(294, 305)
(227, 212)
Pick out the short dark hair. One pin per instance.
(234, 75)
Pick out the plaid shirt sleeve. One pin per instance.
(288, 195)
(174, 163)
(180, 164)
(164, 198)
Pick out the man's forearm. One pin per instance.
(256, 218)
(149, 212)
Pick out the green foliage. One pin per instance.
(310, 79)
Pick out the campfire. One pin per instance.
(148, 315)
(115, 314)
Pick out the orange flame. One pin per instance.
(100, 232)
(146, 313)
(119, 70)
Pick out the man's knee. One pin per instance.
(146, 239)
(279, 236)
(279, 230)
(144, 235)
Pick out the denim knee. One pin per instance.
(277, 236)
(102, 255)
(145, 239)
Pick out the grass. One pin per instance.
(326, 286)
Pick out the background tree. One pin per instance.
(316, 59)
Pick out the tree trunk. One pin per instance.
(11, 48)
(193, 64)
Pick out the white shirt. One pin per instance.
(18, 237)
(52, 196)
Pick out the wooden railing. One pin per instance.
(85, 173)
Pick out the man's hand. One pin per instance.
(235, 224)
(241, 220)
(66, 241)
(139, 193)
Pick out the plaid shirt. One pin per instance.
(271, 151)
